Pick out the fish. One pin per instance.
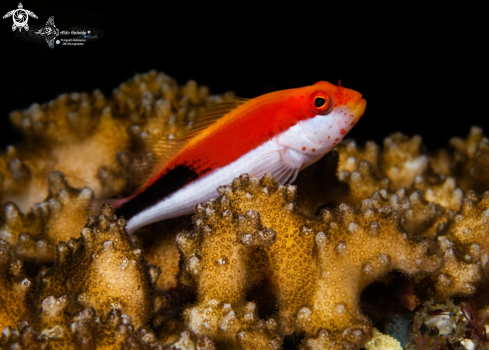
(280, 132)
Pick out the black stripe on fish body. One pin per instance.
(167, 184)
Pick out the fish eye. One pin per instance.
(320, 102)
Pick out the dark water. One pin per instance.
(422, 70)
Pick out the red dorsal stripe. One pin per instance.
(242, 130)
(245, 128)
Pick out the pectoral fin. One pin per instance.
(284, 164)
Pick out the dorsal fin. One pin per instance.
(210, 116)
(157, 152)
(144, 165)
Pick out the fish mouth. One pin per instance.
(359, 108)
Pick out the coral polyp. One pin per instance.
(317, 286)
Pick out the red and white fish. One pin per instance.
(281, 133)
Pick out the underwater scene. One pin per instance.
(371, 245)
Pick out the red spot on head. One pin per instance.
(314, 150)
(337, 139)
(344, 113)
(352, 123)
(303, 148)
(343, 131)
(329, 136)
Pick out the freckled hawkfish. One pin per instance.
(280, 133)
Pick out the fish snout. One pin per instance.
(360, 109)
(357, 108)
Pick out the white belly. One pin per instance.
(283, 156)
(183, 201)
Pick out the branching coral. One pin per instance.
(421, 216)
(55, 132)
(165, 255)
(403, 159)
(396, 175)
(22, 337)
(158, 242)
(61, 216)
(80, 135)
(355, 250)
(103, 270)
(14, 287)
(262, 264)
(382, 341)
(442, 191)
(362, 182)
(318, 267)
(351, 155)
(471, 160)
(465, 246)
(87, 330)
(100, 292)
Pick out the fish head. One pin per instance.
(332, 111)
(326, 98)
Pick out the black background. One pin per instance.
(423, 70)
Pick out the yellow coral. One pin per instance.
(471, 160)
(442, 191)
(464, 243)
(160, 249)
(99, 293)
(351, 155)
(421, 217)
(362, 182)
(14, 287)
(262, 262)
(318, 267)
(80, 134)
(57, 131)
(60, 217)
(104, 270)
(164, 253)
(403, 159)
(22, 337)
(382, 342)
